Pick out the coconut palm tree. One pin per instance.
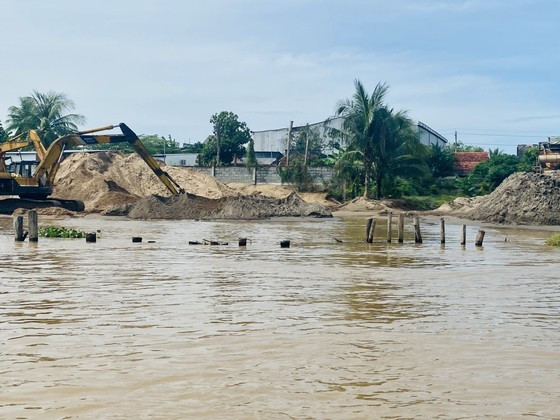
(361, 121)
(399, 152)
(46, 113)
(384, 139)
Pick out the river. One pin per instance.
(323, 329)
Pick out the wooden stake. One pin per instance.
(389, 226)
(442, 230)
(417, 232)
(401, 228)
(19, 234)
(464, 235)
(480, 237)
(370, 229)
(33, 225)
(369, 221)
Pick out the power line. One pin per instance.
(495, 129)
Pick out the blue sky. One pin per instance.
(486, 68)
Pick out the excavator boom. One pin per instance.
(51, 162)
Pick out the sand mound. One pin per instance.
(282, 191)
(107, 179)
(359, 204)
(238, 207)
(523, 198)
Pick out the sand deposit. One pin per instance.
(239, 207)
(122, 184)
(523, 198)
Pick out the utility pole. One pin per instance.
(289, 143)
(455, 137)
(217, 145)
(306, 145)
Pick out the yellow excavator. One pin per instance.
(33, 180)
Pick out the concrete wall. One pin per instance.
(265, 174)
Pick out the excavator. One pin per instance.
(33, 181)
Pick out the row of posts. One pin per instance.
(370, 229)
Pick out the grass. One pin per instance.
(554, 240)
(60, 232)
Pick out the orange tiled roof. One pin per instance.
(466, 161)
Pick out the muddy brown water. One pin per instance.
(323, 329)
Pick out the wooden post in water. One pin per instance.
(242, 241)
(91, 237)
(369, 221)
(19, 234)
(370, 229)
(401, 228)
(442, 230)
(464, 235)
(33, 225)
(417, 232)
(389, 226)
(480, 237)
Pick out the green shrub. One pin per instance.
(298, 175)
(60, 232)
(554, 240)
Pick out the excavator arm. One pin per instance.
(51, 161)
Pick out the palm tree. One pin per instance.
(384, 138)
(3, 134)
(399, 150)
(361, 123)
(45, 113)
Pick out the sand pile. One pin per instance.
(523, 198)
(283, 191)
(122, 184)
(107, 179)
(361, 204)
(239, 207)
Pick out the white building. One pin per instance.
(272, 143)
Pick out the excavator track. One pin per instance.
(9, 205)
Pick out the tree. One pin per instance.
(441, 161)
(250, 158)
(486, 176)
(462, 147)
(385, 139)
(307, 143)
(4, 136)
(46, 113)
(229, 136)
(361, 121)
